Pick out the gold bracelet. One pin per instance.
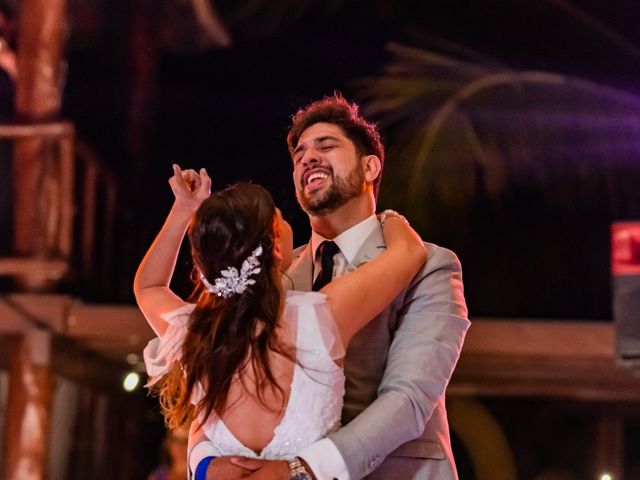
(391, 213)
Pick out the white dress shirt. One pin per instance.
(323, 457)
(350, 241)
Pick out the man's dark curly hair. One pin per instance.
(337, 110)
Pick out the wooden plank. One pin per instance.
(112, 331)
(21, 311)
(529, 376)
(500, 357)
(41, 268)
(543, 358)
(540, 338)
(33, 130)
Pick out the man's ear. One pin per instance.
(277, 253)
(372, 167)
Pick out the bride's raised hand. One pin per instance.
(189, 187)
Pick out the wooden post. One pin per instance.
(67, 207)
(609, 443)
(40, 42)
(38, 99)
(89, 195)
(28, 407)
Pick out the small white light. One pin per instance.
(606, 476)
(131, 381)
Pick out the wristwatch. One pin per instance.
(298, 471)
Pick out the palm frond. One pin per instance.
(459, 129)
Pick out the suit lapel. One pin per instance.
(372, 247)
(301, 270)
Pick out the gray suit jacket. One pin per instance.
(397, 367)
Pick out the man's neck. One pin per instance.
(333, 224)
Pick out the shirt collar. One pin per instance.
(350, 240)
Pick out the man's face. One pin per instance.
(327, 171)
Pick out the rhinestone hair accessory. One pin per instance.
(233, 282)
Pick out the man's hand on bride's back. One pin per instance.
(262, 469)
(189, 187)
(222, 468)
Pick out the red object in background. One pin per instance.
(625, 248)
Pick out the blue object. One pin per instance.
(201, 470)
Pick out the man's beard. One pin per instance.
(337, 194)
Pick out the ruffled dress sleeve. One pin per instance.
(161, 352)
(309, 314)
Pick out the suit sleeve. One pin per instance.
(432, 323)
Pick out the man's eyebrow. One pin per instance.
(325, 138)
(317, 140)
(298, 149)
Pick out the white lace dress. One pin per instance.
(317, 386)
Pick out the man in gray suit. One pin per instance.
(398, 366)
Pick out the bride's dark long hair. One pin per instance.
(228, 335)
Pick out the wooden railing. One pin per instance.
(97, 197)
(63, 206)
(43, 202)
(62, 192)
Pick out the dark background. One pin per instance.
(228, 109)
(537, 247)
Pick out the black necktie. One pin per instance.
(327, 251)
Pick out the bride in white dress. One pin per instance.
(254, 371)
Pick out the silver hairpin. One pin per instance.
(231, 281)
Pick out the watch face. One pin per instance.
(301, 476)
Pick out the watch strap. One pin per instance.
(298, 471)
